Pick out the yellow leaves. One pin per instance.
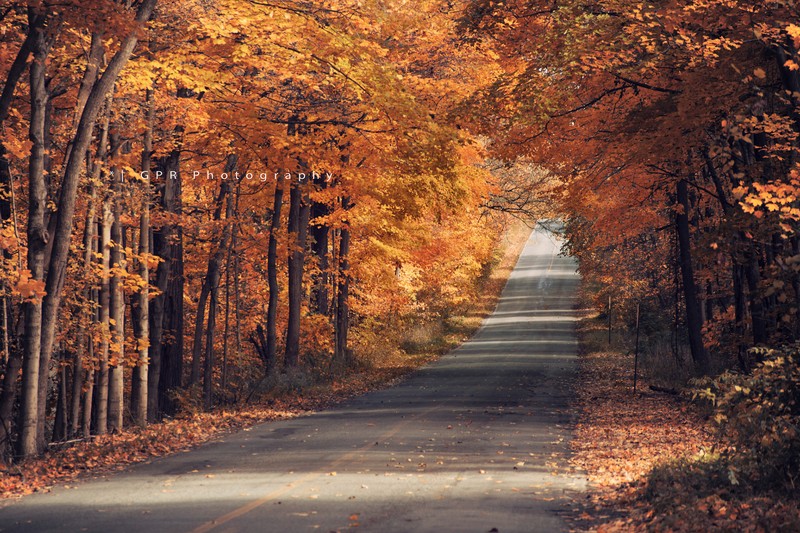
(18, 147)
(142, 345)
(8, 238)
(774, 197)
(760, 73)
(794, 32)
(739, 192)
(28, 288)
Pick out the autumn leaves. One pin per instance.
(212, 191)
(675, 127)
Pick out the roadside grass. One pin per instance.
(654, 460)
(298, 395)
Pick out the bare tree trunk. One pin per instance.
(237, 315)
(77, 388)
(117, 310)
(93, 63)
(89, 411)
(214, 276)
(320, 232)
(60, 423)
(210, 288)
(165, 248)
(166, 309)
(738, 306)
(295, 278)
(141, 310)
(748, 271)
(88, 397)
(694, 322)
(753, 277)
(172, 352)
(197, 344)
(298, 228)
(211, 280)
(234, 257)
(343, 293)
(226, 328)
(83, 337)
(272, 279)
(106, 220)
(10, 386)
(208, 368)
(30, 441)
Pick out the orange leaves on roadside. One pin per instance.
(113, 452)
(640, 454)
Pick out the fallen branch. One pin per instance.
(665, 390)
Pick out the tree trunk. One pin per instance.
(106, 220)
(795, 247)
(83, 336)
(141, 309)
(343, 292)
(320, 232)
(209, 281)
(753, 277)
(738, 309)
(211, 285)
(208, 369)
(60, 423)
(229, 266)
(30, 441)
(117, 314)
(694, 321)
(272, 280)
(69, 186)
(197, 343)
(298, 233)
(10, 386)
(749, 271)
(88, 397)
(167, 249)
(172, 352)
(117, 301)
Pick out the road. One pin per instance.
(475, 442)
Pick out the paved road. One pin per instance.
(476, 442)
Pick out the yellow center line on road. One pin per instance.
(244, 509)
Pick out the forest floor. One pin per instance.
(98, 455)
(654, 460)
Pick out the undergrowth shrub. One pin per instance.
(759, 415)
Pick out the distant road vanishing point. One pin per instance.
(476, 442)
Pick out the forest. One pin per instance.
(202, 201)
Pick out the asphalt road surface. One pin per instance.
(476, 442)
